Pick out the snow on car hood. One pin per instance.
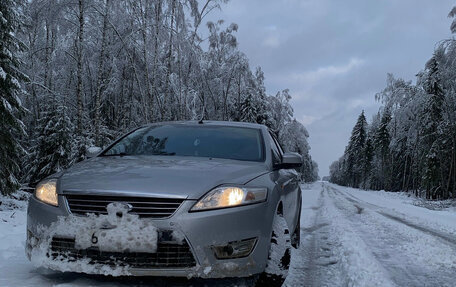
(162, 176)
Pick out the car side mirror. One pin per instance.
(93, 151)
(291, 160)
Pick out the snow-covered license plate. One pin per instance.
(117, 234)
(119, 240)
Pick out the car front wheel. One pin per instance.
(279, 258)
(296, 237)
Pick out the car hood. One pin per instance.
(161, 176)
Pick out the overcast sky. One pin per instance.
(334, 55)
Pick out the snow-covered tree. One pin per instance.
(53, 150)
(248, 110)
(293, 138)
(11, 126)
(281, 111)
(355, 151)
(110, 66)
(413, 136)
(431, 80)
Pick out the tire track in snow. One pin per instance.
(395, 248)
(397, 274)
(448, 238)
(359, 264)
(312, 277)
(317, 266)
(429, 231)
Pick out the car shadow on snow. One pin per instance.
(79, 279)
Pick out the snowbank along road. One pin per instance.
(350, 237)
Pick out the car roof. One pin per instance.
(212, 123)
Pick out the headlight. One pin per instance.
(224, 196)
(46, 191)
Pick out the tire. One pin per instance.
(279, 258)
(296, 237)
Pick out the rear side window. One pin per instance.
(236, 143)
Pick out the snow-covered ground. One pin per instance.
(350, 237)
(354, 237)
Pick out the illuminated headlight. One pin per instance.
(222, 197)
(46, 191)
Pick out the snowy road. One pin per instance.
(360, 238)
(350, 237)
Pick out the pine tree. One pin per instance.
(11, 127)
(263, 114)
(53, 150)
(355, 150)
(381, 145)
(368, 155)
(249, 112)
(432, 123)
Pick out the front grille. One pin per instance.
(150, 207)
(168, 255)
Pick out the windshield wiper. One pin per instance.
(164, 153)
(115, 154)
(124, 154)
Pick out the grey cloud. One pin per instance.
(334, 55)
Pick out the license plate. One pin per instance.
(117, 240)
(133, 235)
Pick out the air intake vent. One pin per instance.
(168, 255)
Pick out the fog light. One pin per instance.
(236, 249)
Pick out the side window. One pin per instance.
(276, 152)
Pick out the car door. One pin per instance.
(288, 185)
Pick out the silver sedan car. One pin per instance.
(195, 199)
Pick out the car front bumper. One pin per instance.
(202, 231)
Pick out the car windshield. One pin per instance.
(236, 143)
